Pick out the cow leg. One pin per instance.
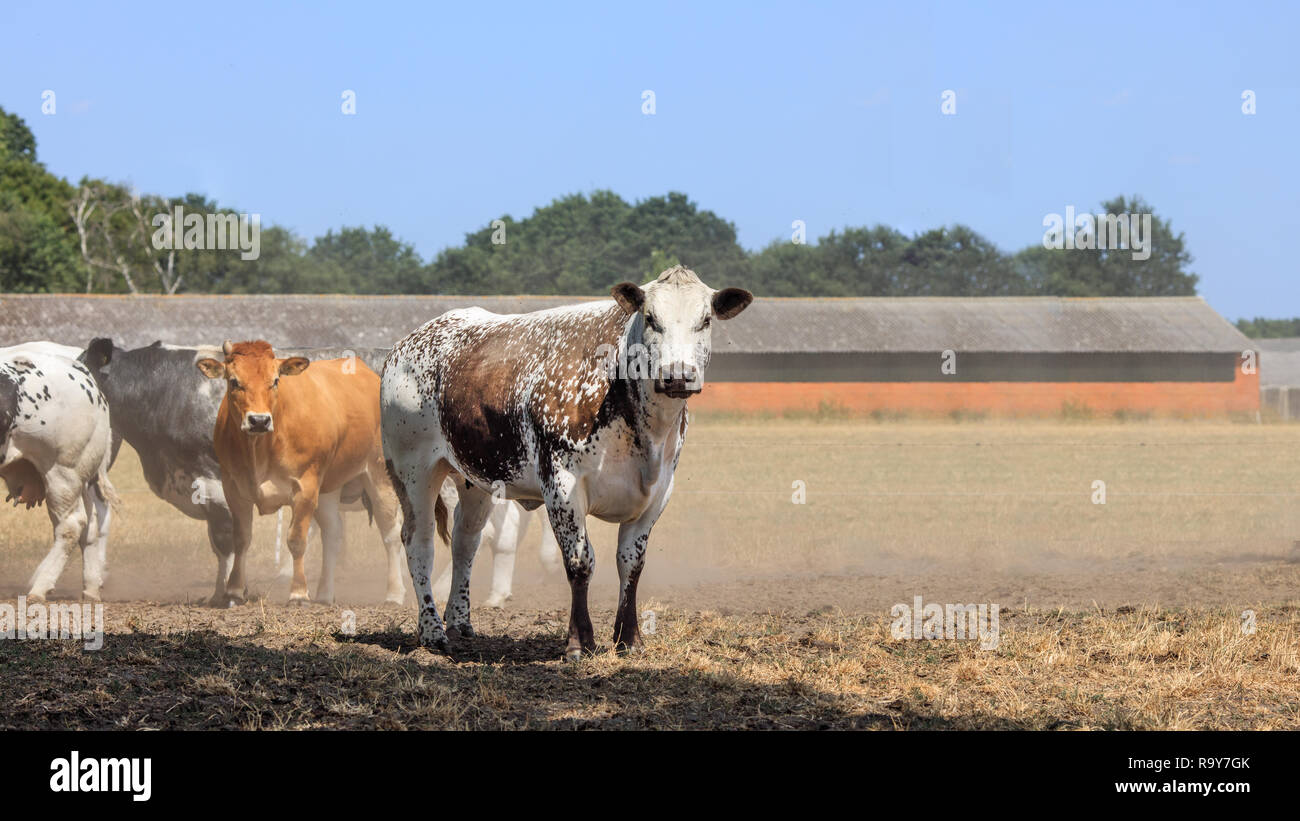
(417, 486)
(241, 517)
(471, 514)
(99, 550)
(305, 500)
(283, 561)
(567, 510)
(92, 558)
(330, 521)
(632, 538)
(487, 538)
(383, 501)
(442, 587)
(221, 538)
(68, 517)
(510, 525)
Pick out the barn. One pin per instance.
(997, 355)
(1150, 356)
(1279, 378)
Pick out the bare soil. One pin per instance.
(768, 613)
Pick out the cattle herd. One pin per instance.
(581, 409)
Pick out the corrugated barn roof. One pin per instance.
(1279, 362)
(883, 324)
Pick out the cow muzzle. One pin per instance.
(258, 423)
(680, 382)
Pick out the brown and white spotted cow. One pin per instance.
(581, 408)
(289, 434)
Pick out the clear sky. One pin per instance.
(829, 113)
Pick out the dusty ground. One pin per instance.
(768, 613)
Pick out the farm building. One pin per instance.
(926, 355)
(1279, 379)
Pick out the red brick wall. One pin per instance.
(998, 398)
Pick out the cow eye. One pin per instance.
(653, 323)
(234, 384)
(706, 322)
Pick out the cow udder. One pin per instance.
(24, 484)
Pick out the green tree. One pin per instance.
(1261, 328)
(16, 140)
(37, 249)
(1106, 272)
(356, 260)
(584, 245)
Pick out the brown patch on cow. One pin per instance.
(24, 484)
(485, 386)
(477, 409)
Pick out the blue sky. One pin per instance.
(829, 113)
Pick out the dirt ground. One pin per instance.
(771, 578)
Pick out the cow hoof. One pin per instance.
(462, 631)
(626, 650)
(36, 597)
(431, 633)
(301, 601)
(496, 602)
(437, 643)
(88, 596)
(394, 601)
(573, 654)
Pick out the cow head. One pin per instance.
(96, 357)
(675, 314)
(252, 375)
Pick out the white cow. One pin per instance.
(55, 448)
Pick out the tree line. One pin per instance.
(100, 237)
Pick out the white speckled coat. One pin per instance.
(526, 406)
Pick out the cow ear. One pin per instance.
(98, 353)
(629, 296)
(730, 301)
(294, 365)
(211, 368)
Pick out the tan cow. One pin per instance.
(289, 434)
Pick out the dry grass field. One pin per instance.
(768, 613)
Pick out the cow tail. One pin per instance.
(369, 505)
(440, 516)
(105, 491)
